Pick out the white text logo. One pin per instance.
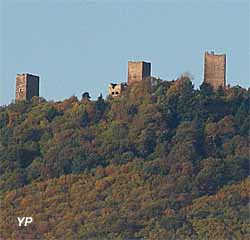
(24, 220)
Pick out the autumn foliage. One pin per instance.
(160, 162)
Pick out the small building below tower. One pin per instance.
(215, 70)
(116, 89)
(137, 71)
(27, 86)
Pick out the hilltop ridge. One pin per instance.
(157, 162)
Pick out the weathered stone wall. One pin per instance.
(27, 86)
(215, 70)
(137, 71)
(21, 87)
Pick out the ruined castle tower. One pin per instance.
(137, 71)
(27, 86)
(215, 70)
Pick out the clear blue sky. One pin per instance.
(79, 45)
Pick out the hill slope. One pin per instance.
(159, 162)
(124, 203)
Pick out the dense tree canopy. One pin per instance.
(164, 161)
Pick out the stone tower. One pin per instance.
(215, 70)
(137, 71)
(27, 86)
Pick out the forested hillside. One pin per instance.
(164, 161)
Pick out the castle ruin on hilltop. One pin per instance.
(214, 73)
(215, 70)
(27, 86)
(115, 89)
(137, 72)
